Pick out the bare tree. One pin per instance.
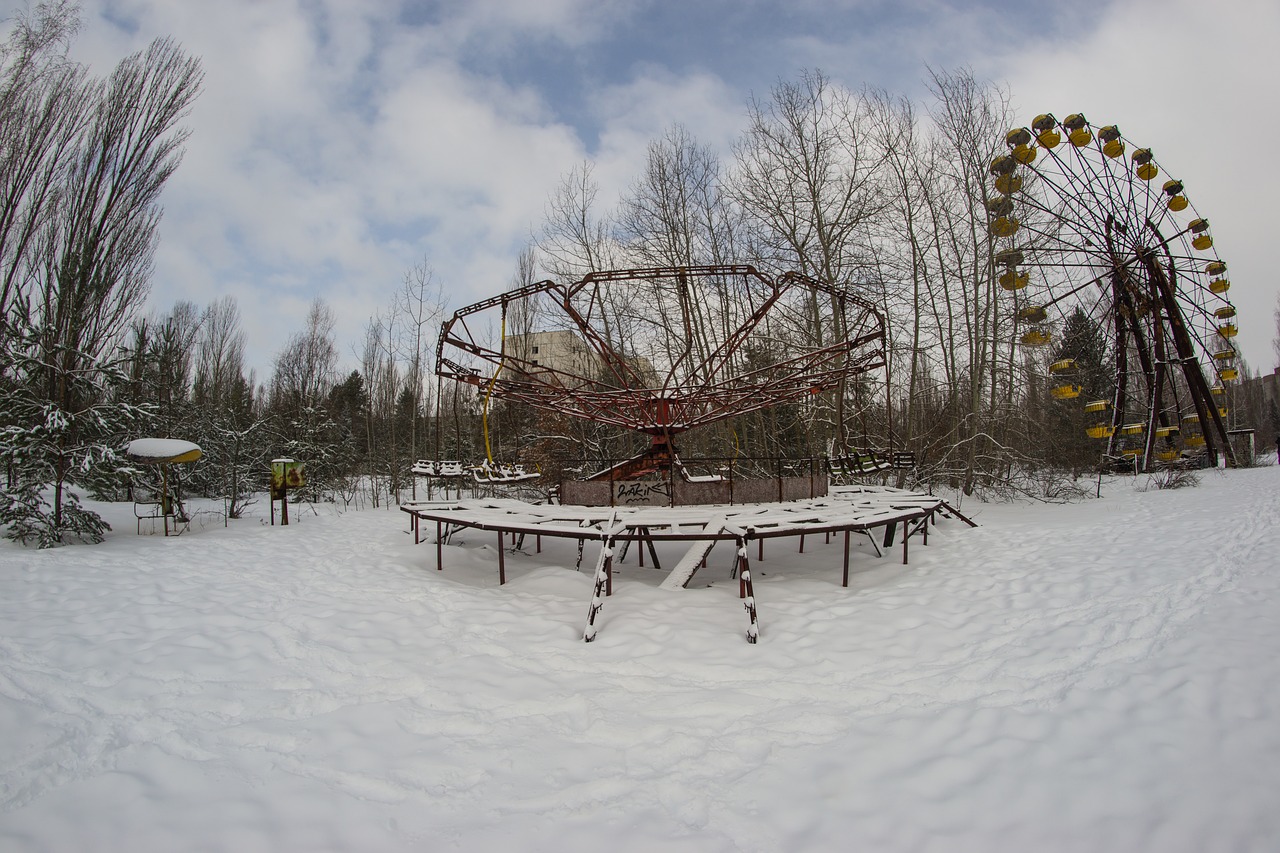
(166, 363)
(1275, 343)
(902, 254)
(232, 429)
(807, 176)
(676, 214)
(372, 361)
(975, 326)
(103, 150)
(304, 375)
(43, 109)
(385, 385)
(575, 239)
(808, 182)
(96, 250)
(421, 303)
(219, 358)
(304, 368)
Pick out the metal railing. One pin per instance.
(704, 480)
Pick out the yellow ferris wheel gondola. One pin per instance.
(1046, 128)
(1036, 338)
(1113, 145)
(1177, 201)
(1144, 165)
(1011, 279)
(1078, 133)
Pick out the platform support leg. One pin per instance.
(439, 547)
(846, 559)
(604, 571)
(653, 552)
(747, 592)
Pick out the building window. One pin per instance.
(535, 350)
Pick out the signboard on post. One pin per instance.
(286, 474)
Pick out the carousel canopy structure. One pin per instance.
(162, 452)
(662, 351)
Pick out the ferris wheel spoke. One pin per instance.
(1068, 183)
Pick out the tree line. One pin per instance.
(857, 187)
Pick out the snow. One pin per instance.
(687, 567)
(847, 507)
(1096, 676)
(162, 449)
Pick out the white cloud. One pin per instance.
(571, 22)
(328, 156)
(635, 113)
(1192, 81)
(337, 143)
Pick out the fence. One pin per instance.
(731, 481)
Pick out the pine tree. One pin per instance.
(49, 444)
(1065, 438)
(234, 437)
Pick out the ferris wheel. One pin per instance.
(1086, 222)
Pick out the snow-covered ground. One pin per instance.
(1103, 676)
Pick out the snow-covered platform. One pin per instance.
(847, 510)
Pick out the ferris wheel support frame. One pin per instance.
(1206, 409)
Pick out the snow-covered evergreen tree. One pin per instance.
(1084, 342)
(49, 445)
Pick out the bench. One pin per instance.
(863, 462)
(162, 507)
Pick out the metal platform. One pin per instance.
(849, 510)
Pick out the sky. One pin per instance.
(337, 144)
